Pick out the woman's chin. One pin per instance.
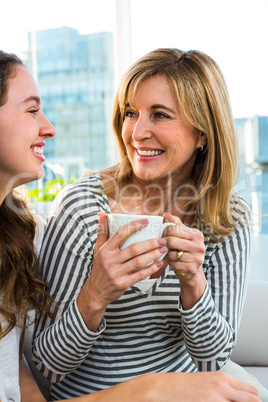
(33, 176)
(40, 173)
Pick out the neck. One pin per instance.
(2, 196)
(5, 188)
(153, 198)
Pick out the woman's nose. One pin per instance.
(46, 128)
(142, 129)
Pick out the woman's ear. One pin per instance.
(203, 140)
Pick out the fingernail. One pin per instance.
(101, 213)
(144, 221)
(163, 250)
(159, 263)
(162, 242)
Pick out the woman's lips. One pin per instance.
(37, 150)
(148, 154)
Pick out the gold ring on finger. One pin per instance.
(179, 255)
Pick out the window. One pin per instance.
(79, 56)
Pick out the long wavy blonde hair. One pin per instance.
(200, 90)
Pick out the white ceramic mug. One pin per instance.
(153, 230)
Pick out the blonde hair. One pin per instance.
(201, 92)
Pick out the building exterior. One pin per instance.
(253, 179)
(75, 75)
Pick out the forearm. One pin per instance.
(208, 336)
(146, 388)
(63, 342)
(91, 312)
(63, 345)
(210, 328)
(191, 291)
(28, 387)
(176, 387)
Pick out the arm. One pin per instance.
(211, 322)
(176, 387)
(28, 387)
(66, 261)
(215, 320)
(84, 279)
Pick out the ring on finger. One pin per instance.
(179, 255)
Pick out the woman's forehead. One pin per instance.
(22, 85)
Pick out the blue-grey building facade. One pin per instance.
(253, 178)
(75, 75)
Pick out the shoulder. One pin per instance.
(240, 210)
(80, 197)
(241, 216)
(90, 184)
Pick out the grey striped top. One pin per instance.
(141, 332)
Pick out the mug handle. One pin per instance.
(164, 225)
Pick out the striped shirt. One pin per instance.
(141, 332)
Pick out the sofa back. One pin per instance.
(252, 344)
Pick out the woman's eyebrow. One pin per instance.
(32, 98)
(159, 106)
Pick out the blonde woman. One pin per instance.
(177, 147)
(23, 129)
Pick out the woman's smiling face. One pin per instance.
(23, 129)
(159, 140)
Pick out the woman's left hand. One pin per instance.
(188, 268)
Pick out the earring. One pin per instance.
(201, 148)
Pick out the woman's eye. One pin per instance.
(34, 111)
(129, 114)
(160, 115)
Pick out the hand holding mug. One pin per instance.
(116, 268)
(153, 230)
(186, 255)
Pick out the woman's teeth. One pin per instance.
(37, 150)
(148, 153)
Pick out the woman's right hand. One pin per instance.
(115, 270)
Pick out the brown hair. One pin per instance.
(21, 288)
(201, 92)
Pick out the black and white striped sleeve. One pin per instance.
(210, 327)
(62, 343)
